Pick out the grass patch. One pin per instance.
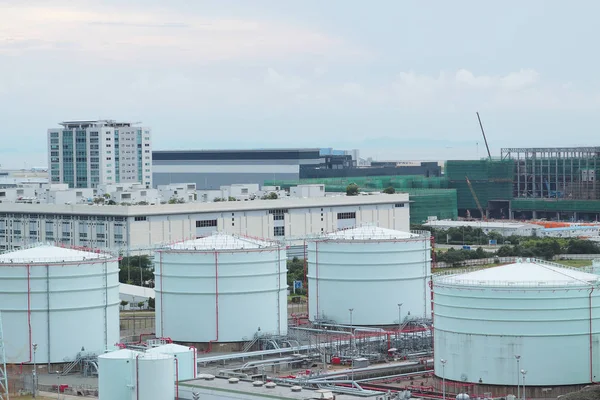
(575, 263)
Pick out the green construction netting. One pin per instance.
(430, 196)
(555, 205)
(491, 180)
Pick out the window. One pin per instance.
(278, 214)
(279, 231)
(399, 205)
(205, 223)
(346, 215)
(142, 219)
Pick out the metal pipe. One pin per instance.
(317, 275)
(137, 376)
(210, 343)
(176, 378)
(48, 311)
(162, 305)
(591, 341)
(195, 361)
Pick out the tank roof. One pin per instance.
(221, 241)
(370, 233)
(170, 348)
(121, 354)
(52, 254)
(528, 273)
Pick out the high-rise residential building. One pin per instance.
(84, 154)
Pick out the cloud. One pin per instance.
(165, 36)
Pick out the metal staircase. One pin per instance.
(69, 367)
(3, 376)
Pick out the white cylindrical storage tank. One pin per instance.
(371, 271)
(544, 313)
(155, 377)
(62, 299)
(237, 285)
(116, 375)
(186, 359)
(595, 266)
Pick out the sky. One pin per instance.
(396, 79)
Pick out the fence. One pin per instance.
(506, 260)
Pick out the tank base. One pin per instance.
(482, 390)
(217, 347)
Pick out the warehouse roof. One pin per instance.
(51, 254)
(222, 241)
(370, 233)
(480, 224)
(529, 272)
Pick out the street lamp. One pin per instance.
(399, 317)
(58, 385)
(518, 358)
(34, 373)
(523, 372)
(443, 378)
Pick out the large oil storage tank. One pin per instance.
(133, 375)
(370, 270)
(221, 288)
(62, 299)
(543, 314)
(185, 366)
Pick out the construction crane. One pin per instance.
(484, 138)
(476, 199)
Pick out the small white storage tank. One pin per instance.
(62, 299)
(116, 375)
(133, 375)
(370, 270)
(235, 286)
(156, 376)
(185, 367)
(545, 313)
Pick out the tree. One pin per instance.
(231, 198)
(270, 196)
(151, 303)
(175, 200)
(129, 270)
(140, 304)
(295, 268)
(389, 190)
(352, 190)
(124, 303)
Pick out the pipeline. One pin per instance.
(591, 340)
(210, 343)
(317, 276)
(28, 316)
(162, 305)
(137, 377)
(176, 378)
(195, 350)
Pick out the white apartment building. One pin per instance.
(84, 154)
(142, 227)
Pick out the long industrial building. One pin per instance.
(210, 169)
(136, 227)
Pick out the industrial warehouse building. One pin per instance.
(145, 227)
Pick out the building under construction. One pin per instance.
(551, 183)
